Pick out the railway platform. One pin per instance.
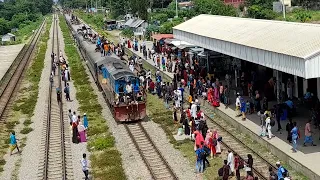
(303, 161)
(8, 55)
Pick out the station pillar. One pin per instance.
(295, 87)
(318, 87)
(305, 85)
(278, 86)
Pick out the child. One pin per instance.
(248, 107)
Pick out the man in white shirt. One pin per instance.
(193, 110)
(230, 161)
(238, 104)
(74, 117)
(131, 67)
(129, 88)
(84, 164)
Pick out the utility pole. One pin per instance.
(176, 8)
(283, 9)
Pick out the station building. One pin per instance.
(280, 49)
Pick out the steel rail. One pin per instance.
(55, 36)
(11, 86)
(143, 156)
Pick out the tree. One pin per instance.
(166, 27)
(215, 7)
(15, 13)
(140, 7)
(256, 11)
(4, 26)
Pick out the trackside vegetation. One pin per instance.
(105, 158)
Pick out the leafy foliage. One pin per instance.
(215, 7)
(166, 27)
(140, 7)
(302, 15)
(258, 12)
(15, 14)
(127, 32)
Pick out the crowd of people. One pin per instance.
(79, 127)
(190, 76)
(192, 118)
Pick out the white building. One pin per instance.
(284, 47)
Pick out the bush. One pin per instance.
(127, 32)
(10, 124)
(26, 130)
(101, 143)
(27, 122)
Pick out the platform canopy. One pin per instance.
(289, 47)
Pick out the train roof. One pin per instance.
(116, 68)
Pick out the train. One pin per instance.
(120, 86)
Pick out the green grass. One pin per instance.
(23, 34)
(27, 103)
(105, 159)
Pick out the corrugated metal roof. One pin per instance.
(129, 22)
(294, 39)
(136, 23)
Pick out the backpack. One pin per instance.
(202, 154)
(65, 90)
(285, 173)
(272, 122)
(207, 150)
(220, 172)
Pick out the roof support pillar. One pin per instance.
(305, 85)
(295, 86)
(318, 87)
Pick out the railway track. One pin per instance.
(10, 81)
(236, 145)
(53, 165)
(161, 170)
(156, 164)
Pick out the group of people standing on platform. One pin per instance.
(79, 128)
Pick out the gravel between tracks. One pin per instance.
(30, 153)
(179, 164)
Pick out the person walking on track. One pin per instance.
(58, 95)
(67, 91)
(84, 164)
